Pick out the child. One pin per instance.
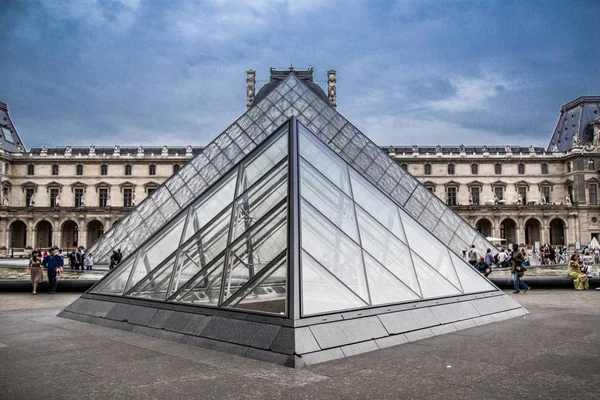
(89, 261)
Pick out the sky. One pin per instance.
(138, 72)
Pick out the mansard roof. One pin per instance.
(574, 121)
(10, 139)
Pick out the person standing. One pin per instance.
(489, 259)
(473, 256)
(52, 263)
(89, 261)
(516, 268)
(35, 269)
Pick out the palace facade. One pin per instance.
(69, 196)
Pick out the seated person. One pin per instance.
(482, 267)
(580, 279)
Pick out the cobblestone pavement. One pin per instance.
(552, 353)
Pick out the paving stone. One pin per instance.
(340, 333)
(467, 323)
(109, 323)
(359, 348)
(160, 319)
(269, 356)
(92, 308)
(486, 319)
(322, 356)
(242, 332)
(305, 341)
(409, 320)
(131, 313)
(495, 304)
(167, 335)
(443, 329)
(419, 335)
(190, 324)
(144, 330)
(390, 341)
(454, 312)
(285, 341)
(503, 316)
(214, 345)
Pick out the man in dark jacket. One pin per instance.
(516, 267)
(51, 263)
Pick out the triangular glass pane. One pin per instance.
(263, 162)
(267, 294)
(333, 250)
(259, 199)
(377, 204)
(156, 285)
(385, 288)
(429, 248)
(209, 206)
(328, 199)
(255, 251)
(323, 159)
(472, 281)
(432, 283)
(115, 282)
(386, 249)
(322, 292)
(156, 251)
(205, 288)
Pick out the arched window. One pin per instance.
(521, 168)
(79, 169)
(450, 169)
(176, 168)
(474, 169)
(152, 169)
(104, 169)
(55, 169)
(128, 169)
(544, 169)
(498, 169)
(427, 169)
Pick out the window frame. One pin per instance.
(79, 169)
(451, 169)
(595, 199)
(427, 169)
(152, 169)
(544, 169)
(474, 169)
(55, 170)
(102, 201)
(30, 169)
(127, 197)
(128, 169)
(104, 169)
(497, 169)
(521, 169)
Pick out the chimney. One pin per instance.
(250, 87)
(331, 81)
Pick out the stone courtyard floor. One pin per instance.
(552, 353)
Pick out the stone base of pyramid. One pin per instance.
(295, 343)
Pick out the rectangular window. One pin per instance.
(544, 169)
(593, 193)
(30, 169)
(102, 197)
(498, 169)
(474, 169)
(150, 191)
(521, 168)
(127, 196)
(546, 193)
(53, 195)
(522, 190)
(28, 196)
(451, 196)
(104, 169)
(152, 169)
(475, 195)
(499, 192)
(430, 188)
(128, 170)
(55, 169)
(79, 169)
(6, 168)
(78, 196)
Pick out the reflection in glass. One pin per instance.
(156, 285)
(432, 283)
(385, 287)
(116, 281)
(472, 281)
(386, 249)
(204, 289)
(328, 199)
(322, 292)
(322, 158)
(333, 250)
(376, 204)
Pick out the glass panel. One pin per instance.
(322, 292)
(260, 199)
(333, 250)
(268, 294)
(376, 204)
(205, 288)
(209, 206)
(157, 250)
(322, 158)
(156, 285)
(183, 196)
(432, 283)
(115, 282)
(387, 249)
(201, 250)
(263, 162)
(472, 281)
(429, 248)
(385, 287)
(254, 252)
(328, 199)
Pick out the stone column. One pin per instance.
(31, 234)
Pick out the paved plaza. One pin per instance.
(552, 353)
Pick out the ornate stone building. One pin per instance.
(69, 196)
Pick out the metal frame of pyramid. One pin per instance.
(368, 274)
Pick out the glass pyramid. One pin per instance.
(293, 230)
(290, 97)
